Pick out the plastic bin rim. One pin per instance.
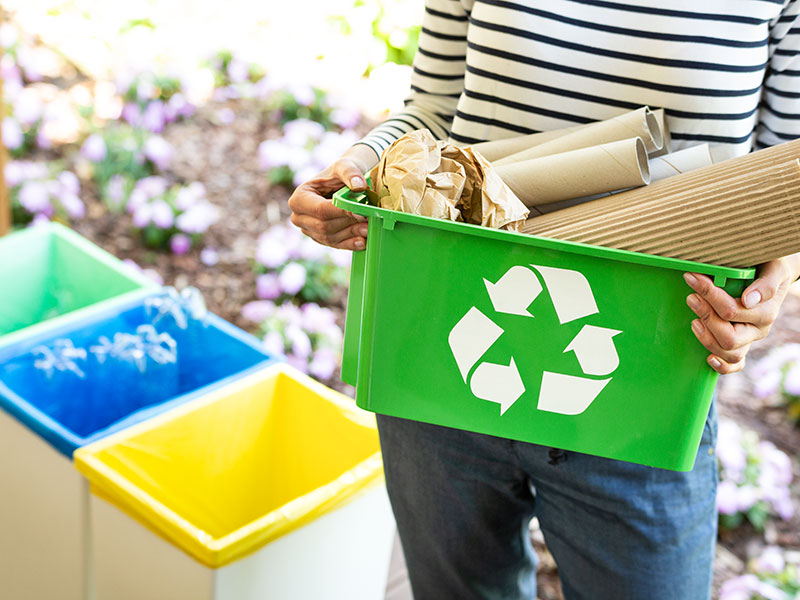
(211, 551)
(64, 439)
(355, 202)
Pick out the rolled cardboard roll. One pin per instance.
(578, 173)
(737, 213)
(497, 149)
(679, 162)
(640, 123)
(666, 147)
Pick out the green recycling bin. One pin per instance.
(556, 343)
(49, 274)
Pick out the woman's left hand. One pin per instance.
(727, 326)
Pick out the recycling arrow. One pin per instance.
(570, 291)
(567, 394)
(471, 337)
(514, 291)
(497, 383)
(595, 350)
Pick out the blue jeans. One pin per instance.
(463, 503)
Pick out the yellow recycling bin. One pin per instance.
(270, 487)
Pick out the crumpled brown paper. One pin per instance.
(420, 175)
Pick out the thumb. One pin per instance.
(771, 276)
(349, 173)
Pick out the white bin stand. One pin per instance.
(342, 555)
(44, 505)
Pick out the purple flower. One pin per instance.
(115, 190)
(341, 258)
(771, 560)
(746, 497)
(258, 310)
(13, 138)
(316, 318)
(152, 186)
(190, 195)
(94, 148)
(179, 106)
(70, 182)
(149, 273)
(158, 151)
(292, 278)
(154, 117)
(302, 131)
(271, 154)
(346, 118)
(72, 204)
(180, 243)
(738, 588)
(9, 35)
(198, 218)
(142, 215)
(767, 384)
(209, 257)
(163, 217)
(298, 362)
(298, 341)
(132, 114)
(271, 252)
(323, 364)
(791, 384)
(226, 116)
(769, 591)
(14, 173)
(267, 286)
(238, 71)
(34, 197)
(727, 502)
(302, 92)
(28, 106)
(273, 343)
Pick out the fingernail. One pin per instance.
(357, 182)
(690, 279)
(692, 301)
(714, 363)
(362, 231)
(751, 299)
(359, 244)
(698, 326)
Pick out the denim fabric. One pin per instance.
(463, 503)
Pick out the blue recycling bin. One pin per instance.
(47, 411)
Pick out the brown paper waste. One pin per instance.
(420, 175)
(737, 213)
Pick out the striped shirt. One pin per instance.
(727, 72)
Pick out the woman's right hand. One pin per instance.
(314, 213)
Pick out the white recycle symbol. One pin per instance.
(572, 298)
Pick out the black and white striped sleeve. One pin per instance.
(437, 79)
(780, 107)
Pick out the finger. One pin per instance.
(320, 227)
(304, 201)
(710, 343)
(729, 336)
(349, 172)
(723, 367)
(724, 305)
(771, 277)
(334, 236)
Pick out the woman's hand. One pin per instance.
(727, 326)
(314, 213)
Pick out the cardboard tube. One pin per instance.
(497, 149)
(737, 213)
(679, 162)
(638, 123)
(666, 146)
(583, 172)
